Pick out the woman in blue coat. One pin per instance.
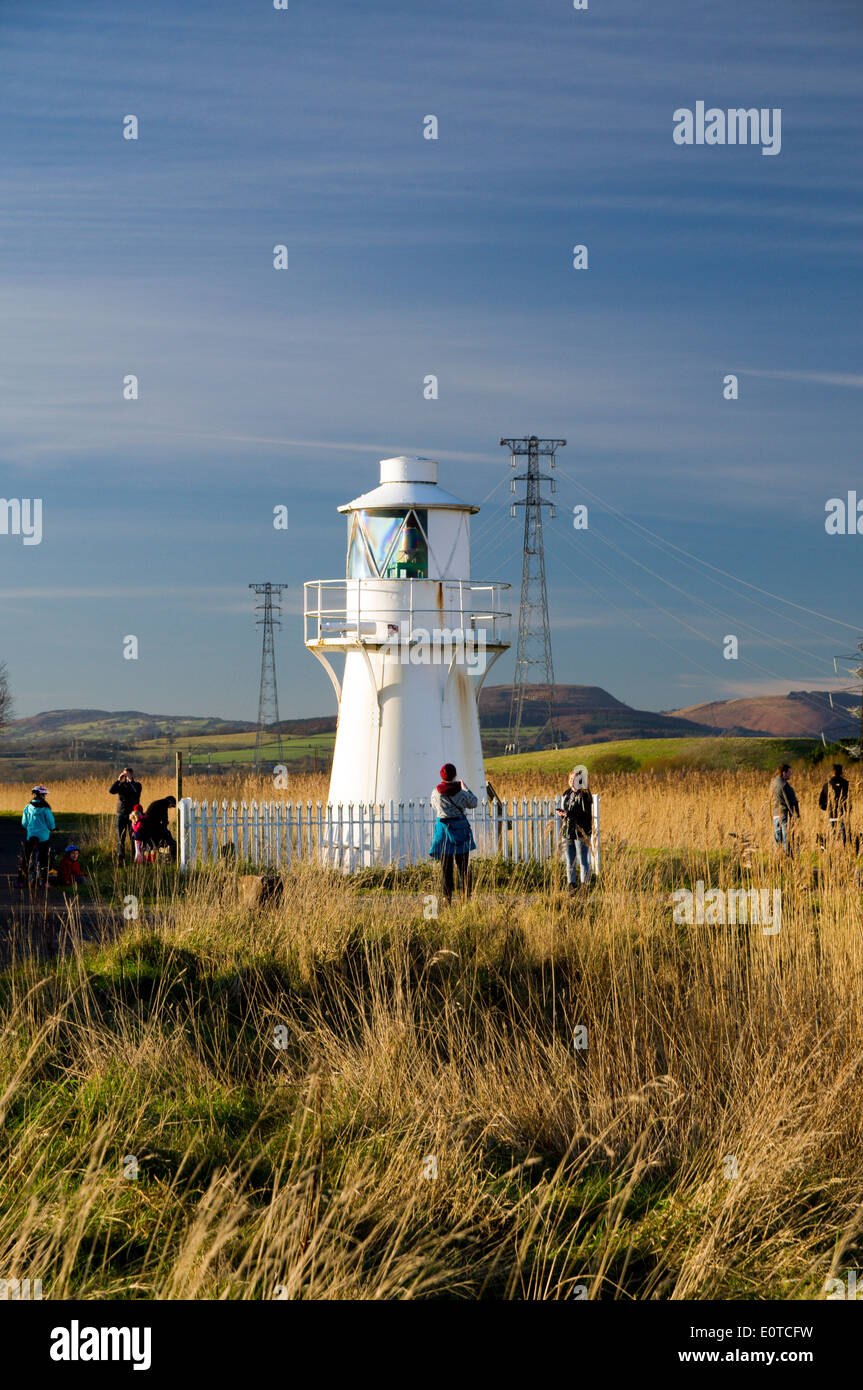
(38, 822)
(453, 838)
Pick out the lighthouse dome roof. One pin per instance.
(407, 482)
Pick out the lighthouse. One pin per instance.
(415, 636)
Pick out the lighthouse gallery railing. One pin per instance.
(277, 834)
(341, 612)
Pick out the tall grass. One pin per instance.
(660, 809)
(304, 1169)
(89, 795)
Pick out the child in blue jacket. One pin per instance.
(38, 822)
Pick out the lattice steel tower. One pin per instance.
(856, 749)
(534, 637)
(270, 610)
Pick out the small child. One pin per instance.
(137, 830)
(69, 871)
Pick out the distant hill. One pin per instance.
(800, 713)
(104, 726)
(584, 714)
(123, 728)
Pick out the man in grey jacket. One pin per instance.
(786, 807)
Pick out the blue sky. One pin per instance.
(409, 257)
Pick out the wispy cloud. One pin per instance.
(852, 379)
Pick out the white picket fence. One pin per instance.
(277, 834)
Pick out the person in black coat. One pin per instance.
(834, 799)
(128, 793)
(156, 824)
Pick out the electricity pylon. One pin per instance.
(856, 749)
(270, 610)
(534, 636)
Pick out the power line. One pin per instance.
(696, 631)
(726, 618)
(630, 617)
(801, 608)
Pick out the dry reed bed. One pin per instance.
(298, 1171)
(674, 810)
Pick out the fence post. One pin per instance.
(595, 836)
(411, 815)
(184, 812)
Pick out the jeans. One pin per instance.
(452, 864)
(783, 833)
(577, 855)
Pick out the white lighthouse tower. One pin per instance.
(418, 637)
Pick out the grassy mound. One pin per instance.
(659, 754)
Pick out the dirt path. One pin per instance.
(51, 925)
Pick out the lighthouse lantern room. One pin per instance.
(418, 637)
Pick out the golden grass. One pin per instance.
(298, 1170)
(89, 795)
(661, 809)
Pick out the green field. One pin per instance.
(219, 751)
(659, 754)
(233, 751)
(233, 748)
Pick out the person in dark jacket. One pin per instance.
(786, 808)
(128, 793)
(834, 799)
(576, 817)
(453, 838)
(157, 832)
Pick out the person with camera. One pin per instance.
(128, 793)
(576, 830)
(453, 838)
